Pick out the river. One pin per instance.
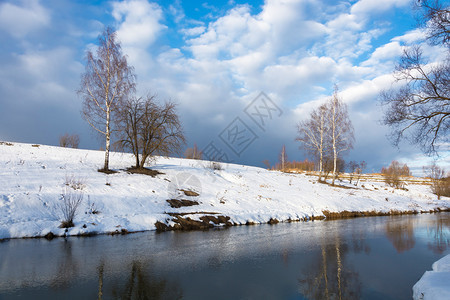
(363, 258)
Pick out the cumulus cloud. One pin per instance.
(21, 19)
(213, 67)
(139, 22)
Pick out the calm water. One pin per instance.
(367, 258)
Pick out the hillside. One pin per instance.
(33, 177)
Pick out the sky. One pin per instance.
(243, 73)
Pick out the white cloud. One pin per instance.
(411, 37)
(377, 6)
(20, 20)
(194, 31)
(390, 51)
(139, 22)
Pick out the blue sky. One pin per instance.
(213, 59)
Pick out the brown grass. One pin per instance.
(144, 171)
(190, 193)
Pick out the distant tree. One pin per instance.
(340, 129)
(266, 162)
(193, 153)
(148, 129)
(312, 133)
(360, 170)
(352, 167)
(71, 141)
(283, 158)
(440, 181)
(392, 174)
(420, 109)
(107, 81)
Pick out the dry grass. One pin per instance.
(144, 171)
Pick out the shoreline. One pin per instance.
(195, 225)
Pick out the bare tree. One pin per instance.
(312, 133)
(392, 174)
(340, 129)
(419, 110)
(106, 82)
(71, 141)
(440, 183)
(193, 153)
(283, 158)
(352, 167)
(435, 18)
(360, 170)
(148, 129)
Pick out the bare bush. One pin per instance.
(69, 141)
(289, 166)
(193, 153)
(215, 165)
(74, 183)
(440, 183)
(71, 199)
(392, 174)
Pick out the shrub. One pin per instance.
(71, 198)
(215, 165)
(193, 153)
(69, 141)
(440, 183)
(392, 174)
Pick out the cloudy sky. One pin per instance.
(214, 59)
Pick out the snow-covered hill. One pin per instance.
(33, 177)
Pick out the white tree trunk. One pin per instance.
(108, 139)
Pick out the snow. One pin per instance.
(32, 179)
(434, 284)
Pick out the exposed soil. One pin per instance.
(175, 203)
(182, 223)
(109, 171)
(144, 171)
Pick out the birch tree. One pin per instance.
(106, 82)
(340, 129)
(312, 133)
(283, 158)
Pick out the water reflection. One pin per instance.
(379, 258)
(401, 234)
(142, 285)
(329, 276)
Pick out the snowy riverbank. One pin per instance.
(434, 284)
(32, 178)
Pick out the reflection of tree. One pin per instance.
(100, 280)
(328, 277)
(439, 233)
(67, 267)
(401, 235)
(140, 285)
